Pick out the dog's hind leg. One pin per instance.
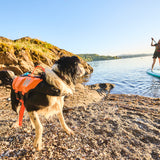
(32, 123)
(38, 129)
(16, 124)
(63, 124)
(15, 106)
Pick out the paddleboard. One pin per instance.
(155, 73)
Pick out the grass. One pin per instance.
(37, 47)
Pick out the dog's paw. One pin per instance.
(69, 131)
(15, 125)
(37, 146)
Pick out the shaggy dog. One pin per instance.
(47, 98)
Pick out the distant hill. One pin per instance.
(23, 54)
(135, 55)
(96, 57)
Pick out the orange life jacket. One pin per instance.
(23, 85)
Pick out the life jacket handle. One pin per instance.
(35, 69)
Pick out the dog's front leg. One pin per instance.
(63, 124)
(38, 129)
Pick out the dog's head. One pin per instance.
(69, 68)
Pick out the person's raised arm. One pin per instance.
(152, 42)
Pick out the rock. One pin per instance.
(101, 87)
(8, 58)
(16, 69)
(85, 95)
(25, 53)
(26, 66)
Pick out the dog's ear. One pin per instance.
(75, 59)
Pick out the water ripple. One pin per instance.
(129, 76)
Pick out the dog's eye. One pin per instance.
(76, 63)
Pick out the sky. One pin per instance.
(104, 27)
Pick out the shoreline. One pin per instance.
(114, 126)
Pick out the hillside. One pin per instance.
(23, 54)
(95, 57)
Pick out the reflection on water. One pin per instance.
(129, 76)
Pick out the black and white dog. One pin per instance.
(62, 76)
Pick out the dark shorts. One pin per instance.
(156, 54)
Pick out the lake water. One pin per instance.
(129, 76)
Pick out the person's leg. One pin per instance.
(154, 61)
(159, 60)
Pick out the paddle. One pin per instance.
(153, 40)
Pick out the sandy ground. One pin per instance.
(117, 127)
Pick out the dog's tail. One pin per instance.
(6, 78)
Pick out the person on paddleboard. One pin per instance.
(156, 52)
